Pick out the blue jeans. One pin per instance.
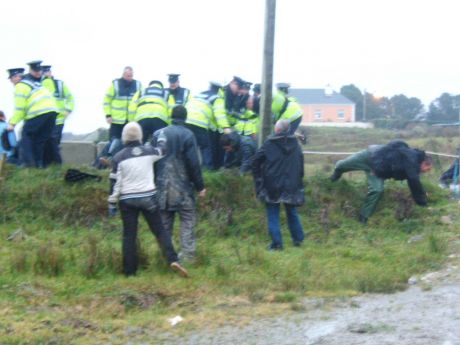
(295, 228)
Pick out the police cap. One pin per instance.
(283, 86)
(46, 68)
(173, 77)
(239, 81)
(35, 65)
(14, 71)
(156, 83)
(247, 85)
(215, 84)
(256, 88)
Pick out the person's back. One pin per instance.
(282, 170)
(178, 175)
(179, 172)
(278, 172)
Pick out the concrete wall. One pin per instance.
(78, 152)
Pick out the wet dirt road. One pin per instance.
(428, 313)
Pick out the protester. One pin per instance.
(239, 151)
(133, 187)
(278, 170)
(380, 162)
(178, 176)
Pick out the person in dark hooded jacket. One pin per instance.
(278, 170)
(178, 176)
(394, 160)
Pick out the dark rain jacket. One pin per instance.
(398, 161)
(278, 170)
(178, 174)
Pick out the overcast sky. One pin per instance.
(386, 47)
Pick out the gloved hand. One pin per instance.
(112, 209)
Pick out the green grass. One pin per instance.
(61, 283)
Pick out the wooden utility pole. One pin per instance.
(267, 72)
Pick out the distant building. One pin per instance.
(324, 105)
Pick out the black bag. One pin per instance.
(74, 175)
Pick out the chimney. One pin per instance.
(328, 90)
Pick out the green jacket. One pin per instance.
(148, 104)
(64, 99)
(31, 100)
(285, 107)
(117, 98)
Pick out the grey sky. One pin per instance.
(388, 47)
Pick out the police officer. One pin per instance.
(149, 108)
(15, 75)
(34, 105)
(206, 113)
(64, 99)
(175, 93)
(117, 99)
(285, 107)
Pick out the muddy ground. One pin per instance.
(427, 313)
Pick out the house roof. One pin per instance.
(318, 96)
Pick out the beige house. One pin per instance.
(324, 105)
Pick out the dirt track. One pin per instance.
(428, 313)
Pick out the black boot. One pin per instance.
(362, 219)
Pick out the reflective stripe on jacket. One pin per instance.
(286, 108)
(64, 99)
(148, 104)
(31, 99)
(117, 98)
(207, 110)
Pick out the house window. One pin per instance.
(341, 114)
(318, 114)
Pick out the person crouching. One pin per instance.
(133, 187)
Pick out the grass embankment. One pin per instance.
(60, 277)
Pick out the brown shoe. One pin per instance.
(175, 266)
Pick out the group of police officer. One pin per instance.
(220, 117)
(43, 103)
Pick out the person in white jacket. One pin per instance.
(133, 187)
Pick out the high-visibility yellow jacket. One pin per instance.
(179, 96)
(64, 99)
(207, 110)
(148, 104)
(246, 123)
(117, 98)
(285, 107)
(31, 99)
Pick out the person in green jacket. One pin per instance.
(117, 99)
(206, 114)
(285, 107)
(65, 104)
(36, 106)
(148, 107)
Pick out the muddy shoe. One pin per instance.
(175, 266)
(335, 176)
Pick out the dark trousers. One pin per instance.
(294, 125)
(202, 139)
(130, 209)
(360, 162)
(52, 151)
(218, 152)
(35, 133)
(115, 131)
(149, 126)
